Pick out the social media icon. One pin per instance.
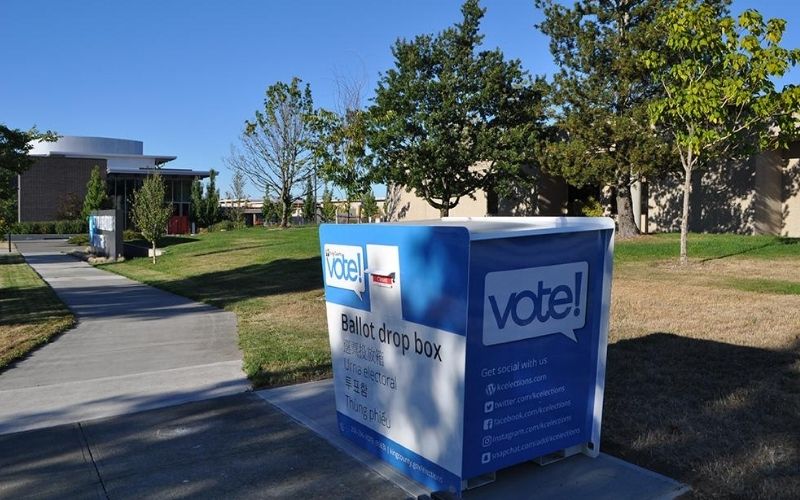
(488, 423)
(488, 407)
(486, 457)
(487, 441)
(490, 389)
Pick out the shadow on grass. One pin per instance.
(776, 243)
(10, 259)
(718, 416)
(229, 249)
(228, 287)
(166, 241)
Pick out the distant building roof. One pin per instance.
(123, 156)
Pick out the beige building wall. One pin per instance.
(790, 208)
(550, 198)
(759, 196)
(409, 206)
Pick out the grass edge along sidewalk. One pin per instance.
(31, 314)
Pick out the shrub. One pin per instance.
(226, 225)
(79, 239)
(130, 235)
(589, 207)
(76, 226)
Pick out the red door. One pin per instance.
(178, 224)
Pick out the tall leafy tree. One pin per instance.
(150, 211)
(276, 147)
(14, 160)
(450, 119)
(198, 207)
(340, 141)
(96, 194)
(720, 100)
(268, 209)
(211, 201)
(238, 199)
(328, 209)
(369, 206)
(600, 96)
(310, 203)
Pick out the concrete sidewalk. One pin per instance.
(231, 447)
(605, 477)
(134, 348)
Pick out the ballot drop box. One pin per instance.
(465, 346)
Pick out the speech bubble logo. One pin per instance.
(344, 268)
(534, 302)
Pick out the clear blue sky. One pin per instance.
(182, 76)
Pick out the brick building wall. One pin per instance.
(51, 182)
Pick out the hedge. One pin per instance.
(52, 227)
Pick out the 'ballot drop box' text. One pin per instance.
(464, 346)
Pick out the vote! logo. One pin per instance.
(344, 268)
(534, 302)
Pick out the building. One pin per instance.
(252, 210)
(61, 170)
(550, 196)
(757, 196)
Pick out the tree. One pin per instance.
(310, 203)
(14, 160)
(150, 212)
(600, 96)
(238, 199)
(276, 145)
(328, 209)
(449, 120)
(198, 203)
(369, 206)
(96, 196)
(70, 207)
(340, 141)
(720, 99)
(211, 201)
(268, 209)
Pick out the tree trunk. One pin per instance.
(154, 251)
(687, 189)
(625, 219)
(444, 207)
(286, 210)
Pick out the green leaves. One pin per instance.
(150, 212)
(717, 78)
(14, 160)
(446, 106)
(604, 49)
(96, 196)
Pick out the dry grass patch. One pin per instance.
(704, 380)
(30, 313)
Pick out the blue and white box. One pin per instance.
(464, 346)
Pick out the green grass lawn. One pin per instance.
(30, 312)
(703, 378)
(705, 247)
